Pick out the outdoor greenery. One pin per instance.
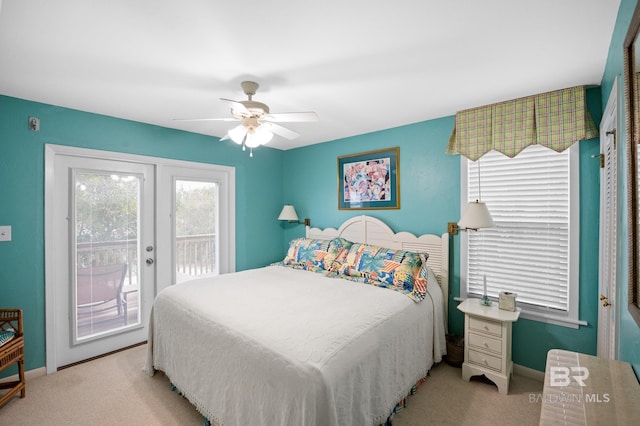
(107, 221)
(106, 207)
(195, 208)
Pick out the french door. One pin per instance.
(195, 222)
(120, 228)
(105, 253)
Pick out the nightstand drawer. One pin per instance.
(485, 326)
(486, 343)
(487, 361)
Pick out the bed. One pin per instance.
(293, 344)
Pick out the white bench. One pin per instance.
(583, 389)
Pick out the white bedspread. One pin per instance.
(278, 346)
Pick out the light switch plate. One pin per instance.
(5, 233)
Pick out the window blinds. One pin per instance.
(528, 250)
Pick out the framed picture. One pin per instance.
(369, 180)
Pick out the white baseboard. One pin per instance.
(28, 375)
(521, 370)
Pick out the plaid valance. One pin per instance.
(555, 119)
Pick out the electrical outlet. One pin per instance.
(5, 233)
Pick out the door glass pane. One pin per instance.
(106, 212)
(196, 226)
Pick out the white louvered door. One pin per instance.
(607, 345)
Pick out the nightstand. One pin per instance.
(487, 342)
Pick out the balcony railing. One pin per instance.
(195, 255)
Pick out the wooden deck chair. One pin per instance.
(100, 287)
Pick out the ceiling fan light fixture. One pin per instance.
(258, 136)
(238, 133)
(258, 123)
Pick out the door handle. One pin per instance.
(605, 300)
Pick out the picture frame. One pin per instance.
(369, 180)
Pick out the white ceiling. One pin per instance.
(361, 65)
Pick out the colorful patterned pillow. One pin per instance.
(5, 336)
(377, 263)
(307, 251)
(405, 275)
(337, 254)
(397, 270)
(301, 265)
(420, 281)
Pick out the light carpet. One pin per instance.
(115, 391)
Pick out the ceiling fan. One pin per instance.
(258, 123)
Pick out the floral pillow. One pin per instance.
(420, 281)
(338, 250)
(307, 251)
(398, 270)
(304, 266)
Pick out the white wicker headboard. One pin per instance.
(369, 230)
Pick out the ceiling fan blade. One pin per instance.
(237, 106)
(279, 130)
(206, 119)
(291, 117)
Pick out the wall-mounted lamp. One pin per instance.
(475, 217)
(289, 214)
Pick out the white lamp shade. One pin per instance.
(476, 216)
(288, 213)
(237, 134)
(259, 136)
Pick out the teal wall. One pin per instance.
(307, 178)
(430, 197)
(426, 177)
(628, 330)
(259, 194)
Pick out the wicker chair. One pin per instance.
(11, 352)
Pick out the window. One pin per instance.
(533, 250)
(196, 229)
